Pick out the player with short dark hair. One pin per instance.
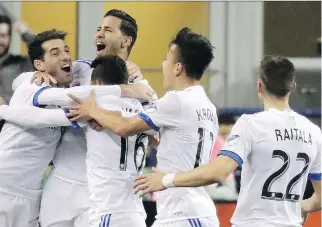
(55, 209)
(45, 56)
(278, 150)
(110, 70)
(277, 74)
(194, 52)
(187, 122)
(25, 152)
(50, 54)
(125, 160)
(117, 33)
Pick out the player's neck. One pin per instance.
(123, 55)
(279, 104)
(184, 83)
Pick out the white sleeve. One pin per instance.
(82, 71)
(165, 112)
(58, 96)
(238, 144)
(147, 105)
(316, 168)
(33, 117)
(21, 78)
(150, 105)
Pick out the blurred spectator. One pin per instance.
(226, 122)
(11, 65)
(226, 190)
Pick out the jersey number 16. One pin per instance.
(139, 152)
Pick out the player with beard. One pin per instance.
(25, 152)
(65, 198)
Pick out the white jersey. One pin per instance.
(69, 160)
(25, 153)
(188, 127)
(278, 150)
(113, 162)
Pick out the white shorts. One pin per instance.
(131, 219)
(16, 211)
(64, 204)
(196, 222)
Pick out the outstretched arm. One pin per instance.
(236, 149)
(214, 172)
(58, 96)
(112, 120)
(33, 117)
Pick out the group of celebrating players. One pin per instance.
(94, 121)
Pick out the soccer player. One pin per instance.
(111, 177)
(278, 150)
(112, 161)
(187, 122)
(26, 153)
(116, 35)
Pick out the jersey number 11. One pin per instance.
(205, 142)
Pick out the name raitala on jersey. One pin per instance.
(205, 114)
(293, 134)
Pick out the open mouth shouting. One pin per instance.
(100, 46)
(66, 68)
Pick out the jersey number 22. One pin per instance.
(267, 194)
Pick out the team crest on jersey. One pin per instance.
(232, 139)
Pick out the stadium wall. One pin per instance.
(41, 16)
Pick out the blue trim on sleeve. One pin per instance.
(315, 176)
(36, 96)
(232, 155)
(148, 120)
(75, 125)
(86, 62)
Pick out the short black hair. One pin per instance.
(277, 74)
(226, 119)
(35, 50)
(4, 19)
(110, 70)
(128, 25)
(195, 52)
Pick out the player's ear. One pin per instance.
(178, 68)
(96, 82)
(126, 42)
(39, 65)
